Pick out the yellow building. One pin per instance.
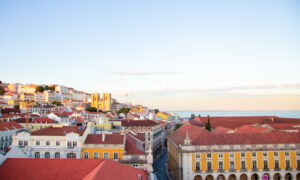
(195, 153)
(164, 115)
(103, 104)
(27, 97)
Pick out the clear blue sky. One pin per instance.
(175, 55)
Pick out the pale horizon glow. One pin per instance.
(171, 55)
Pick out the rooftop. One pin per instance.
(11, 125)
(139, 123)
(58, 131)
(115, 138)
(32, 169)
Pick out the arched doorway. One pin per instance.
(266, 176)
(298, 176)
(243, 177)
(254, 176)
(288, 176)
(221, 177)
(209, 177)
(232, 177)
(198, 177)
(277, 176)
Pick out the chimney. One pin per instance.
(103, 137)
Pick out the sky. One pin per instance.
(169, 54)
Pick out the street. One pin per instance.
(159, 166)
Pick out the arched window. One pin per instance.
(37, 155)
(57, 155)
(47, 155)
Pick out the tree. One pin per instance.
(2, 91)
(52, 88)
(193, 116)
(177, 126)
(156, 111)
(17, 107)
(207, 126)
(39, 89)
(91, 109)
(124, 111)
(57, 103)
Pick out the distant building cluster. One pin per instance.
(59, 122)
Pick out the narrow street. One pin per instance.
(159, 166)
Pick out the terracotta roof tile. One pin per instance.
(115, 138)
(139, 123)
(58, 131)
(11, 125)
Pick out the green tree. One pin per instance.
(177, 126)
(156, 111)
(2, 91)
(57, 103)
(39, 89)
(193, 116)
(91, 109)
(124, 111)
(17, 107)
(52, 88)
(207, 126)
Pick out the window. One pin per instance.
(275, 153)
(37, 155)
(243, 164)
(209, 166)
(116, 156)
(74, 143)
(220, 165)
(47, 143)
(25, 143)
(287, 164)
(105, 155)
(197, 155)
(254, 165)
(86, 155)
(220, 155)
(253, 154)
(69, 143)
(57, 155)
(197, 166)
(208, 155)
(47, 155)
(57, 143)
(96, 155)
(265, 154)
(265, 164)
(21, 144)
(298, 153)
(231, 164)
(231, 155)
(276, 164)
(71, 156)
(37, 143)
(287, 153)
(242, 154)
(298, 164)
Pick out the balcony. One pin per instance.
(288, 169)
(266, 169)
(254, 169)
(232, 170)
(209, 171)
(243, 170)
(197, 171)
(276, 169)
(221, 170)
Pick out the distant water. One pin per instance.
(289, 114)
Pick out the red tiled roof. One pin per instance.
(93, 112)
(284, 126)
(10, 110)
(252, 129)
(11, 125)
(22, 120)
(131, 146)
(233, 122)
(115, 138)
(200, 136)
(43, 120)
(58, 131)
(221, 130)
(139, 123)
(75, 169)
